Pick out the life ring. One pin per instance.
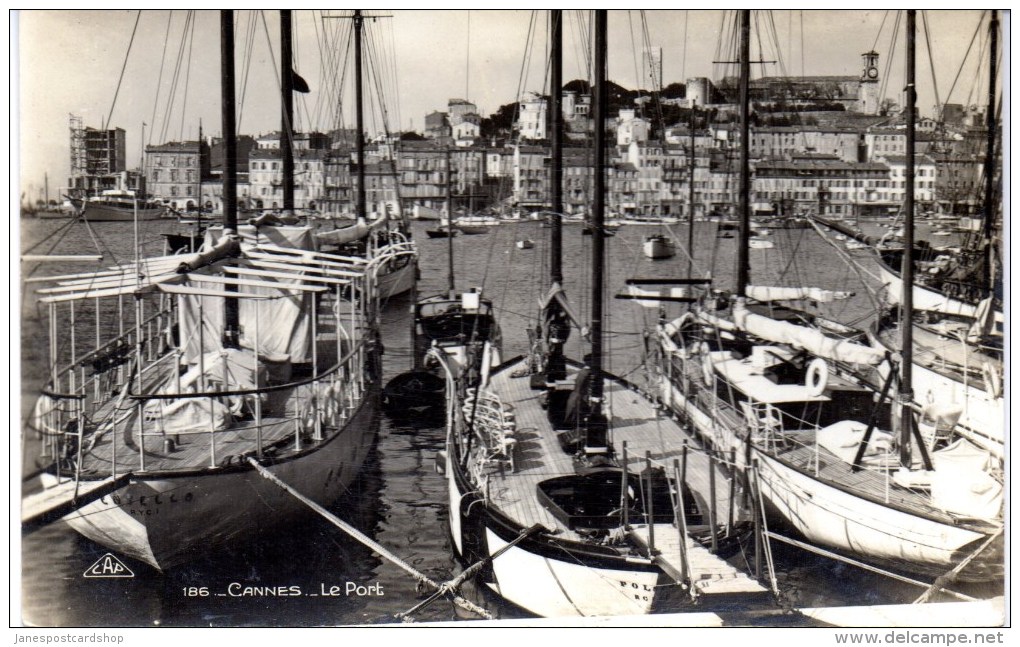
(707, 368)
(817, 376)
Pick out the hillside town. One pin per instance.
(821, 144)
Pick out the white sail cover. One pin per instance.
(780, 293)
(662, 291)
(227, 370)
(282, 321)
(809, 339)
(345, 235)
(961, 483)
(294, 237)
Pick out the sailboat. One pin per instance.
(461, 328)
(251, 357)
(957, 331)
(564, 479)
(391, 248)
(779, 389)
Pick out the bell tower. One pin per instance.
(867, 95)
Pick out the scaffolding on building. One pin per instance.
(79, 158)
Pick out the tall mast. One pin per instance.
(555, 122)
(906, 392)
(743, 255)
(287, 120)
(690, 215)
(598, 214)
(359, 112)
(449, 223)
(231, 315)
(989, 201)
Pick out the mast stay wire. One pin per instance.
(120, 80)
(884, 86)
(966, 55)
(159, 79)
(246, 56)
(187, 80)
(171, 98)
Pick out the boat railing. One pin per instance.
(493, 426)
(112, 365)
(314, 405)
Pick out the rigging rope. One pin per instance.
(159, 80)
(363, 539)
(187, 78)
(116, 92)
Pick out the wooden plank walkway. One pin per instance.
(709, 574)
(52, 503)
(538, 455)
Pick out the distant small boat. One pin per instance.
(473, 229)
(658, 246)
(473, 221)
(608, 230)
(760, 243)
(525, 244)
(440, 233)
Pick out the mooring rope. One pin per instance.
(371, 544)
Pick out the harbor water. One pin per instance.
(313, 574)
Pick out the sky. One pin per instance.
(70, 62)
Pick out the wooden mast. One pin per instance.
(596, 432)
(743, 255)
(231, 315)
(906, 391)
(555, 124)
(452, 290)
(359, 136)
(287, 118)
(989, 201)
(690, 214)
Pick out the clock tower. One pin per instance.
(868, 92)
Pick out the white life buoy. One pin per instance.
(817, 377)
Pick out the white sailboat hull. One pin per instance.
(924, 298)
(548, 586)
(165, 520)
(563, 587)
(830, 517)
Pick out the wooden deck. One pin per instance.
(52, 503)
(538, 455)
(118, 420)
(875, 484)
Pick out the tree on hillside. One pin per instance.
(674, 91)
(501, 122)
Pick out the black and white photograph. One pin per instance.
(470, 318)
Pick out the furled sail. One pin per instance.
(809, 339)
(779, 293)
(345, 235)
